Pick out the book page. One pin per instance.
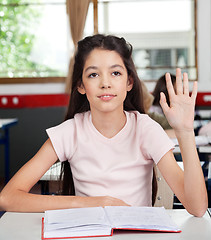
(141, 218)
(56, 219)
(76, 222)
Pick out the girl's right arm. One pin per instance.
(16, 197)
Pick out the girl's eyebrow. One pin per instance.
(90, 67)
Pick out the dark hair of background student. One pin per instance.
(161, 87)
(79, 103)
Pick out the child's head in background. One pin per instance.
(161, 87)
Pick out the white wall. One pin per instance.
(204, 45)
(204, 61)
(44, 88)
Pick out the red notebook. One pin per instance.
(98, 221)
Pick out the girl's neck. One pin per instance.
(109, 124)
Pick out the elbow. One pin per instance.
(202, 211)
(5, 202)
(197, 206)
(199, 211)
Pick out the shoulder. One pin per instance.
(64, 136)
(70, 124)
(146, 127)
(154, 141)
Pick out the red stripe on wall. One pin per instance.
(59, 100)
(203, 99)
(33, 101)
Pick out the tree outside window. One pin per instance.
(33, 39)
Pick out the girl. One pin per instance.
(155, 111)
(109, 142)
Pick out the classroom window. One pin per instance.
(152, 63)
(162, 39)
(34, 39)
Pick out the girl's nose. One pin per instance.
(105, 86)
(105, 83)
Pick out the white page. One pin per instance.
(74, 217)
(76, 222)
(140, 217)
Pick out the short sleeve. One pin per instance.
(63, 139)
(155, 142)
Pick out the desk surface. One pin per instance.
(25, 226)
(7, 122)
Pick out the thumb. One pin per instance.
(163, 102)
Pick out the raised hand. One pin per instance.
(180, 113)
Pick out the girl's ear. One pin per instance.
(81, 89)
(129, 83)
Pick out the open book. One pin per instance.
(98, 221)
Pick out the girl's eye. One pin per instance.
(116, 73)
(93, 75)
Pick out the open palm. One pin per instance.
(180, 113)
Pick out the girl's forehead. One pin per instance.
(99, 55)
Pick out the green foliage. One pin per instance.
(18, 19)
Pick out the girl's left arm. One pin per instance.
(189, 186)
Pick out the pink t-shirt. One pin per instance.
(120, 166)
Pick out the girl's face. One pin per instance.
(105, 81)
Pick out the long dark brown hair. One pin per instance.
(161, 87)
(78, 103)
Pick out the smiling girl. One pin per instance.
(107, 145)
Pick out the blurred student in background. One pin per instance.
(155, 111)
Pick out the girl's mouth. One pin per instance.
(106, 97)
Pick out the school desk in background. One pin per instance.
(5, 125)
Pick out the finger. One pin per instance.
(169, 86)
(194, 91)
(179, 88)
(185, 84)
(163, 102)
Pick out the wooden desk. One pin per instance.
(27, 226)
(5, 124)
